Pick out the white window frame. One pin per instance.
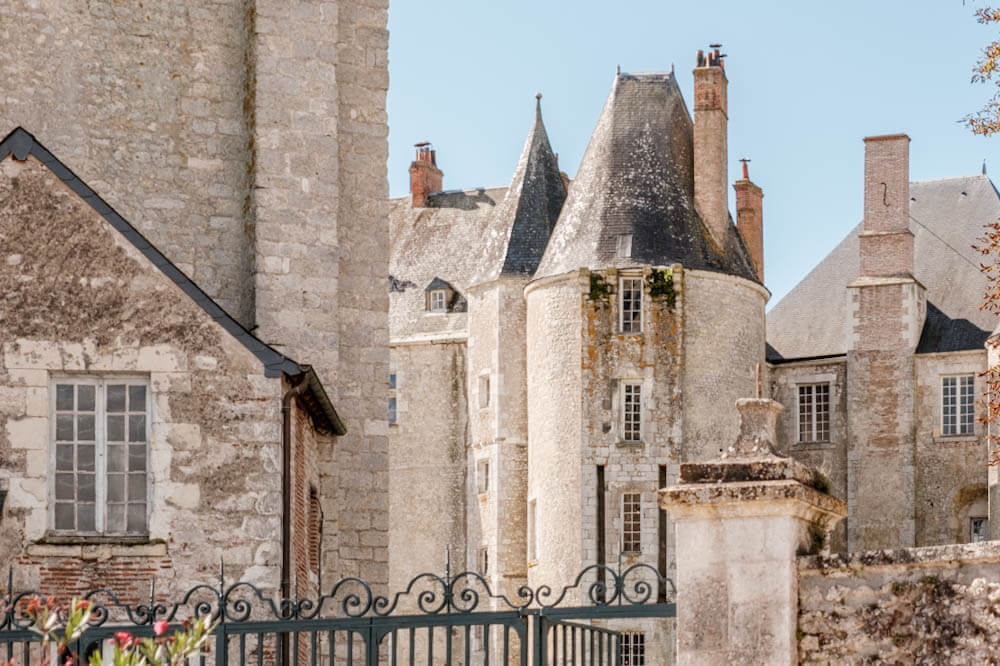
(633, 648)
(623, 250)
(393, 410)
(631, 391)
(438, 300)
(631, 523)
(815, 434)
(632, 286)
(958, 427)
(483, 475)
(100, 452)
(483, 390)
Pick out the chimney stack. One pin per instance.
(886, 241)
(710, 143)
(750, 218)
(425, 177)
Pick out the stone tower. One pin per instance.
(247, 141)
(517, 234)
(639, 323)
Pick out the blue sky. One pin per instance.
(807, 81)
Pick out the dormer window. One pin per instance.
(442, 297)
(439, 300)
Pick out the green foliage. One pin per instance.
(817, 536)
(61, 627)
(599, 288)
(821, 483)
(660, 283)
(930, 580)
(986, 121)
(899, 588)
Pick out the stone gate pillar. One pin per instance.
(741, 522)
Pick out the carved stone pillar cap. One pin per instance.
(758, 422)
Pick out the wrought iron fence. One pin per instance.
(450, 619)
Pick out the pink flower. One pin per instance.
(159, 627)
(124, 639)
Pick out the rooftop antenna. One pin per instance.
(984, 166)
(618, 70)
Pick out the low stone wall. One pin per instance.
(933, 605)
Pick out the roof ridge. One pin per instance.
(20, 143)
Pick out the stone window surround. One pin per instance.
(620, 401)
(483, 476)
(815, 378)
(57, 539)
(939, 425)
(483, 388)
(631, 277)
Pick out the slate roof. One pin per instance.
(520, 226)
(20, 143)
(442, 240)
(637, 177)
(946, 218)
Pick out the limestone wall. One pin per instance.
(723, 343)
(931, 605)
(951, 471)
(82, 301)
(427, 461)
(555, 426)
(828, 457)
(147, 104)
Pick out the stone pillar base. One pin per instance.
(740, 524)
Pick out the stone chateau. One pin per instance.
(209, 302)
(560, 348)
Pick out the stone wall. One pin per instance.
(81, 300)
(932, 605)
(247, 139)
(827, 457)
(428, 460)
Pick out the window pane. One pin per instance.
(85, 457)
(136, 398)
(137, 487)
(116, 487)
(116, 428)
(85, 487)
(85, 427)
(85, 514)
(64, 457)
(136, 518)
(85, 398)
(64, 397)
(65, 487)
(137, 428)
(116, 398)
(137, 458)
(116, 458)
(116, 518)
(65, 516)
(64, 427)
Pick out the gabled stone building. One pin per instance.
(246, 143)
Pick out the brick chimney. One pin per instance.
(886, 241)
(710, 144)
(425, 177)
(750, 218)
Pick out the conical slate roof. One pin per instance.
(637, 178)
(519, 227)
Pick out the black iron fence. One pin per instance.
(450, 620)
